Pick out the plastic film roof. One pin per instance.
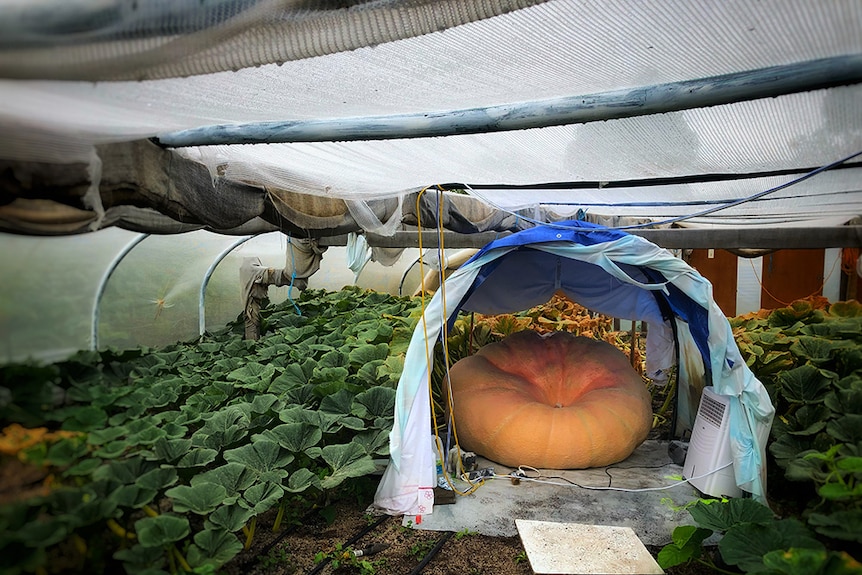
(75, 153)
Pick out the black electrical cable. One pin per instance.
(434, 550)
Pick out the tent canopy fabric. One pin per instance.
(86, 86)
(608, 271)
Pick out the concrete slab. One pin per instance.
(649, 501)
(573, 548)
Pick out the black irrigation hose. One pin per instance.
(434, 550)
(284, 533)
(367, 529)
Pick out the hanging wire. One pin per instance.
(450, 402)
(292, 277)
(812, 294)
(676, 219)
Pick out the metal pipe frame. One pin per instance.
(655, 99)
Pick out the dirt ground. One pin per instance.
(404, 550)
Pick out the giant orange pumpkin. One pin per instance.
(555, 402)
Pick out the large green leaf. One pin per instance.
(844, 525)
(847, 428)
(295, 437)
(686, 546)
(346, 461)
(338, 403)
(157, 479)
(809, 419)
(302, 479)
(332, 358)
(231, 517)
(375, 442)
(844, 401)
(197, 457)
(170, 450)
(368, 353)
(745, 544)
(722, 515)
(132, 496)
(816, 350)
(265, 458)
(202, 498)
(806, 384)
(213, 547)
(162, 530)
(262, 496)
(85, 418)
(302, 396)
(375, 402)
(124, 471)
(234, 477)
(253, 376)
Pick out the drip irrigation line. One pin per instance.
(359, 535)
(284, 533)
(434, 550)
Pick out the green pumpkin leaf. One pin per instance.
(123, 471)
(375, 402)
(213, 547)
(367, 353)
(294, 437)
(85, 418)
(722, 515)
(253, 376)
(265, 458)
(687, 540)
(796, 561)
(302, 479)
(162, 530)
(202, 498)
(197, 457)
(840, 491)
(231, 517)
(346, 461)
(170, 450)
(338, 403)
(375, 442)
(263, 496)
(806, 384)
(132, 496)
(847, 428)
(745, 544)
(157, 479)
(234, 477)
(845, 525)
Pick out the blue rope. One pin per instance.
(292, 278)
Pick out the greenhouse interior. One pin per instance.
(257, 253)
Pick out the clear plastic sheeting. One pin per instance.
(385, 59)
(114, 39)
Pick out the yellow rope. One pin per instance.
(450, 403)
(812, 294)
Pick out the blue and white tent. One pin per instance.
(607, 271)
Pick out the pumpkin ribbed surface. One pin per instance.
(555, 402)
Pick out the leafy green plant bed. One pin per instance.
(175, 452)
(809, 356)
(154, 461)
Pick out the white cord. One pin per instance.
(516, 475)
